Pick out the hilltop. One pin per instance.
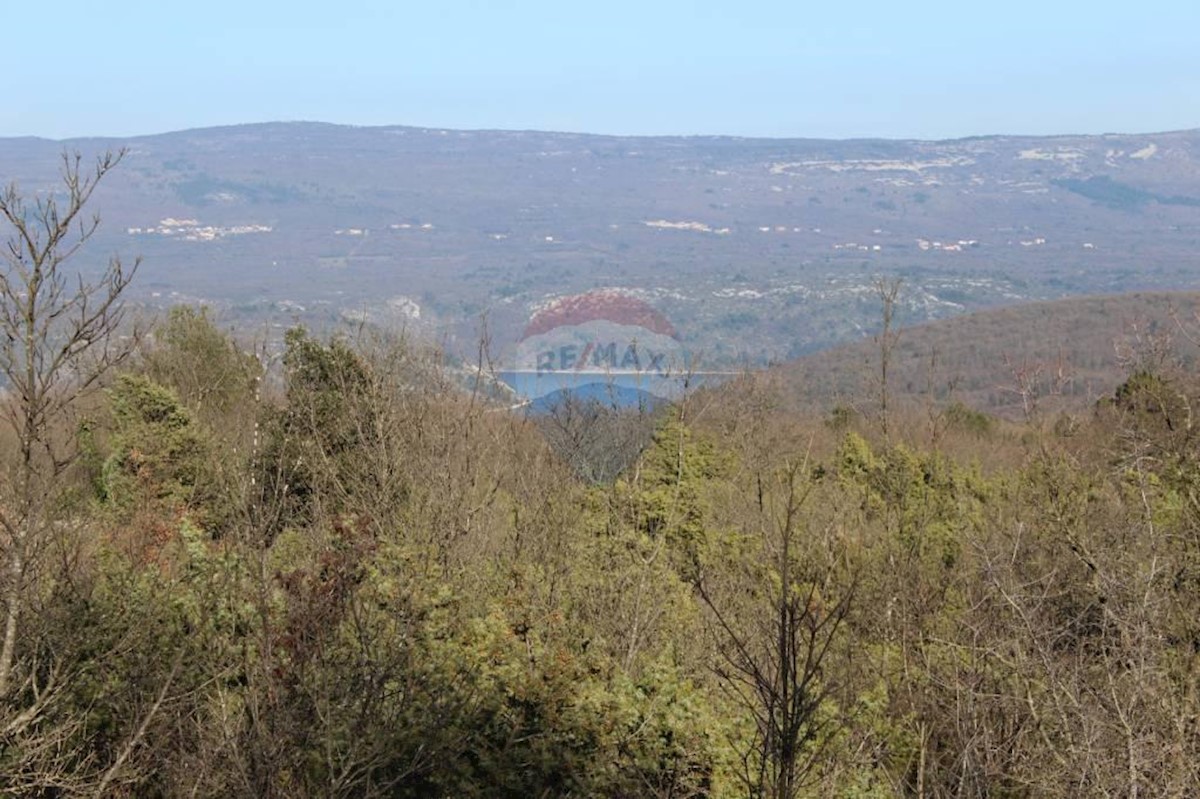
(756, 249)
(1079, 349)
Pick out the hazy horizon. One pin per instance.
(553, 132)
(766, 69)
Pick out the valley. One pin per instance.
(759, 250)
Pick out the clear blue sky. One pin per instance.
(836, 68)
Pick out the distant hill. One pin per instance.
(755, 249)
(1086, 340)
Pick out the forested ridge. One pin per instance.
(346, 574)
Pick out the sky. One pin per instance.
(834, 68)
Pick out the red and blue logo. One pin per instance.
(607, 344)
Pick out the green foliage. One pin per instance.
(211, 375)
(396, 678)
(927, 501)
(118, 636)
(411, 596)
(960, 417)
(573, 730)
(675, 470)
(840, 418)
(158, 454)
(200, 189)
(1105, 191)
(313, 444)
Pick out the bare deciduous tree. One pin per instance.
(58, 337)
(598, 440)
(773, 658)
(887, 338)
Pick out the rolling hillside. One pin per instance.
(1076, 348)
(757, 249)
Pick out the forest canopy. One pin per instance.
(343, 573)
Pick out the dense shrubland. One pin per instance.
(350, 577)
